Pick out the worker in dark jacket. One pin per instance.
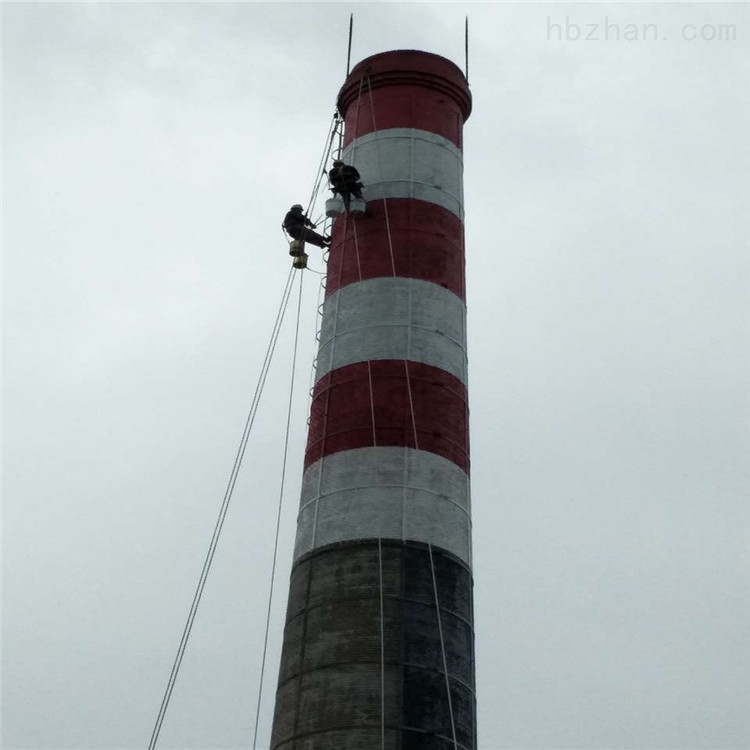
(299, 227)
(345, 181)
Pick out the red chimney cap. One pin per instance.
(407, 66)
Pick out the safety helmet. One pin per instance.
(296, 206)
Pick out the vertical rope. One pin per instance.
(359, 268)
(356, 120)
(382, 648)
(414, 427)
(442, 648)
(324, 158)
(333, 337)
(393, 265)
(356, 248)
(372, 405)
(278, 516)
(406, 368)
(228, 492)
(380, 169)
(390, 241)
(416, 446)
(369, 364)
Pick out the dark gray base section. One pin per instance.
(362, 664)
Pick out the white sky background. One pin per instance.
(150, 152)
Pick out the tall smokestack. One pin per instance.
(378, 643)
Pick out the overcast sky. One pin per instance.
(149, 154)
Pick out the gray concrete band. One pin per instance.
(409, 163)
(393, 318)
(363, 649)
(388, 493)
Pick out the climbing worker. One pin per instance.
(345, 181)
(299, 227)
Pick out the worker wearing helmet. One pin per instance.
(345, 181)
(299, 227)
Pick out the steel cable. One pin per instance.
(278, 514)
(414, 422)
(222, 515)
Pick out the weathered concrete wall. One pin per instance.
(330, 680)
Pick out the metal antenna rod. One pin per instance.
(349, 50)
(466, 46)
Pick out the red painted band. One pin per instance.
(409, 89)
(427, 244)
(404, 107)
(341, 416)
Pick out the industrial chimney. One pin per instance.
(378, 642)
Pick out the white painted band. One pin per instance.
(387, 493)
(409, 163)
(393, 318)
